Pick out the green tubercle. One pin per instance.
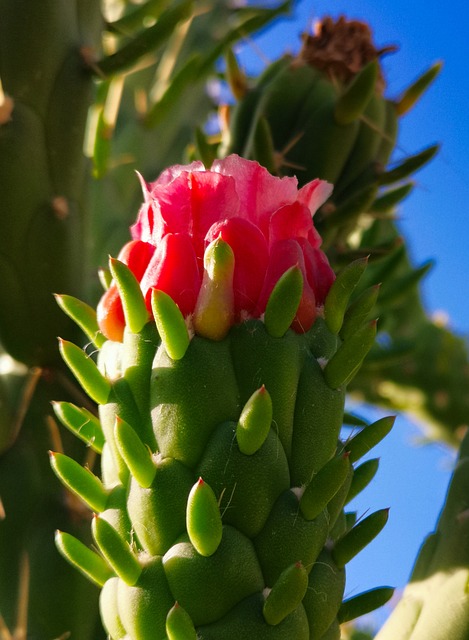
(356, 96)
(203, 519)
(85, 371)
(82, 423)
(254, 422)
(324, 486)
(170, 324)
(136, 455)
(89, 563)
(359, 311)
(286, 594)
(214, 310)
(362, 476)
(417, 88)
(340, 292)
(283, 302)
(84, 316)
(359, 537)
(364, 603)
(369, 437)
(345, 363)
(409, 165)
(80, 481)
(179, 625)
(116, 551)
(133, 303)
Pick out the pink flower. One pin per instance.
(266, 221)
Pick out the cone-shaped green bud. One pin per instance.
(83, 315)
(85, 371)
(236, 78)
(283, 302)
(254, 422)
(390, 198)
(89, 563)
(136, 455)
(358, 312)
(364, 603)
(324, 486)
(214, 310)
(203, 519)
(170, 324)
(263, 145)
(362, 476)
(347, 360)
(357, 538)
(286, 594)
(133, 302)
(116, 551)
(80, 481)
(369, 437)
(82, 423)
(179, 625)
(417, 88)
(340, 292)
(354, 99)
(409, 165)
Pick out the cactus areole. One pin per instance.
(220, 381)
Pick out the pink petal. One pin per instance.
(291, 221)
(173, 269)
(169, 174)
(136, 255)
(314, 194)
(110, 315)
(283, 255)
(251, 258)
(260, 193)
(318, 270)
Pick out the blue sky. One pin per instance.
(412, 480)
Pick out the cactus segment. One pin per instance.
(283, 302)
(83, 315)
(133, 302)
(254, 422)
(369, 437)
(109, 609)
(324, 486)
(116, 551)
(82, 423)
(89, 563)
(214, 311)
(339, 294)
(357, 94)
(357, 538)
(392, 197)
(263, 145)
(80, 481)
(286, 594)
(85, 371)
(136, 455)
(179, 625)
(413, 93)
(345, 363)
(364, 603)
(203, 520)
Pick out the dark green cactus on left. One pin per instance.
(48, 89)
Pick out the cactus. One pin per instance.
(221, 375)
(435, 603)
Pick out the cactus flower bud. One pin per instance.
(265, 221)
